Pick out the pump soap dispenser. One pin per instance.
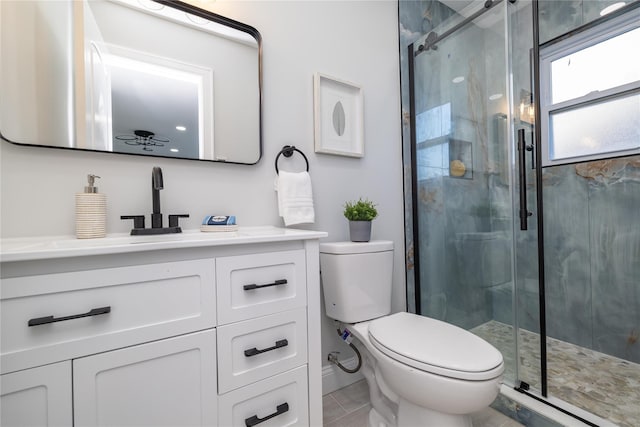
(91, 212)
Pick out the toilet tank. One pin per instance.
(356, 279)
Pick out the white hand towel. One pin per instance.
(295, 199)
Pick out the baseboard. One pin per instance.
(333, 378)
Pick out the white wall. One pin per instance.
(35, 38)
(353, 40)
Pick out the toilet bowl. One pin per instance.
(430, 373)
(440, 373)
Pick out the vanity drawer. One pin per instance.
(254, 349)
(256, 285)
(79, 313)
(275, 402)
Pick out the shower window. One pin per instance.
(432, 128)
(434, 123)
(590, 94)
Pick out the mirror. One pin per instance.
(155, 78)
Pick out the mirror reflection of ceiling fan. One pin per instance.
(145, 138)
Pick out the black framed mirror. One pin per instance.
(145, 77)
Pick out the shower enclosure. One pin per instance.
(543, 262)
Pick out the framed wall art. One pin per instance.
(338, 117)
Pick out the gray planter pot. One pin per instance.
(360, 231)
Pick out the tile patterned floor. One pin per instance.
(604, 385)
(349, 407)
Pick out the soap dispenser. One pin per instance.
(91, 211)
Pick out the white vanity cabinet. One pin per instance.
(37, 397)
(205, 329)
(262, 333)
(171, 382)
(94, 322)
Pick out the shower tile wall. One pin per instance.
(592, 255)
(614, 229)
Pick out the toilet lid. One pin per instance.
(435, 346)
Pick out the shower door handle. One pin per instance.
(522, 174)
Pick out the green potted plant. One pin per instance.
(360, 214)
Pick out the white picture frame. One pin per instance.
(338, 111)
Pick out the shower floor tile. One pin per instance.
(603, 385)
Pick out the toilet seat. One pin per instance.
(434, 346)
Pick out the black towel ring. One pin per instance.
(287, 151)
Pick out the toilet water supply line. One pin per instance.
(333, 356)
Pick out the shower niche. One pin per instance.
(460, 159)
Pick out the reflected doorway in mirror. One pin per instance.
(159, 94)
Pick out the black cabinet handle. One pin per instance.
(254, 286)
(253, 351)
(50, 319)
(254, 420)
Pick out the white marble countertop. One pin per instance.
(48, 247)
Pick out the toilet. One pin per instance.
(420, 371)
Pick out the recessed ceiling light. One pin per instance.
(181, 128)
(174, 150)
(495, 96)
(458, 79)
(612, 8)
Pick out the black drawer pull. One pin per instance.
(253, 351)
(254, 420)
(254, 286)
(50, 319)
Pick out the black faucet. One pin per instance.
(157, 184)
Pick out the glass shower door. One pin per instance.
(468, 79)
(591, 221)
